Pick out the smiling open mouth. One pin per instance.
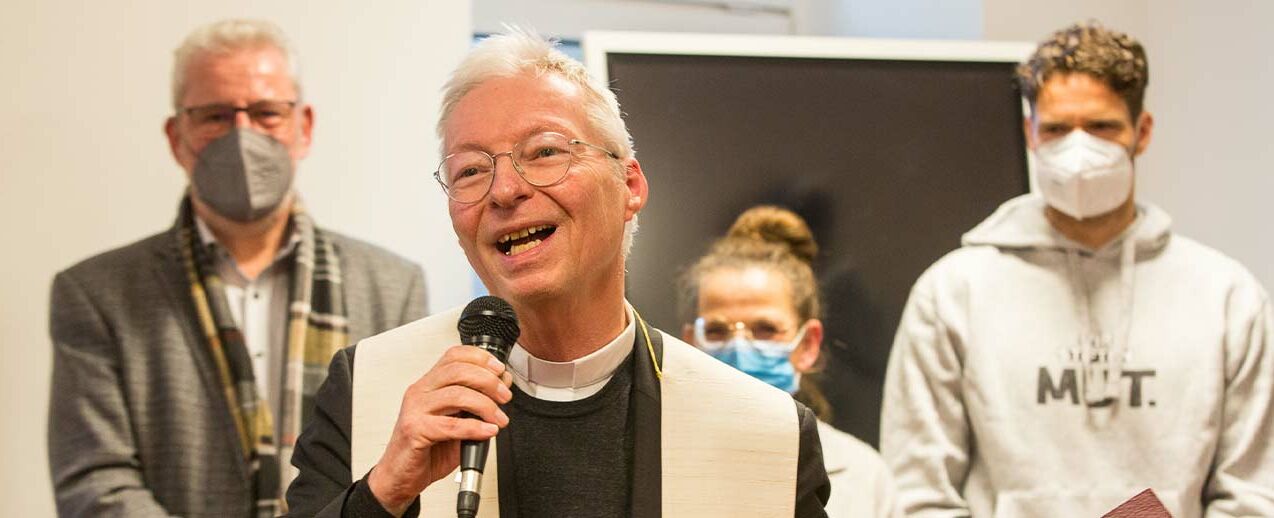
(515, 243)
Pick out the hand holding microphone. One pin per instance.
(489, 324)
(425, 443)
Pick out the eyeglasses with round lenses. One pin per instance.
(542, 160)
(210, 120)
(710, 333)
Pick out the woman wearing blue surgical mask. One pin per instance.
(754, 304)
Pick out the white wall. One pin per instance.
(908, 19)
(946, 19)
(570, 18)
(86, 166)
(1211, 162)
(1032, 20)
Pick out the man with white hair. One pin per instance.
(185, 364)
(597, 414)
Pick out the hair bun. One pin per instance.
(779, 226)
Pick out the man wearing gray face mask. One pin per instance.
(186, 364)
(1076, 351)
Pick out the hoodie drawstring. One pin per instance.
(1101, 387)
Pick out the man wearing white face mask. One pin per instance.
(1075, 351)
(185, 364)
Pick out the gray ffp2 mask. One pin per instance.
(243, 175)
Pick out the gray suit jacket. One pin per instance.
(138, 423)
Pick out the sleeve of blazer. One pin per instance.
(416, 306)
(324, 486)
(812, 485)
(92, 457)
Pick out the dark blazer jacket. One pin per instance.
(325, 486)
(138, 423)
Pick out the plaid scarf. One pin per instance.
(316, 329)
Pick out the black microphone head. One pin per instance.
(490, 323)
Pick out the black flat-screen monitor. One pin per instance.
(890, 150)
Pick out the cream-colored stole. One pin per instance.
(729, 442)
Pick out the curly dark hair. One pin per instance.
(1089, 48)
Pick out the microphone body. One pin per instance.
(490, 324)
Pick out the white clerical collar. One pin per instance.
(577, 379)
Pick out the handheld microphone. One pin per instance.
(489, 323)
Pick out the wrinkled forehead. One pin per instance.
(501, 111)
(774, 312)
(1079, 94)
(245, 73)
(751, 287)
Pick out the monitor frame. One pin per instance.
(597, 45)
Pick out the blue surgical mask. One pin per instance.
(766, 360)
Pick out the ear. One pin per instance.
(805, 355)
(638, 189)
(174, 141)
(302, 148)
(1145, 128)
(1028, 129)
(688, 334)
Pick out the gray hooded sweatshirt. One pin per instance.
(1034, 377)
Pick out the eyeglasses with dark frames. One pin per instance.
(217, 118)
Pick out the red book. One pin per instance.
(1144, 505)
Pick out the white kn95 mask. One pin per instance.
(1083, 176)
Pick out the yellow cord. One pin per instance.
(645, 331)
